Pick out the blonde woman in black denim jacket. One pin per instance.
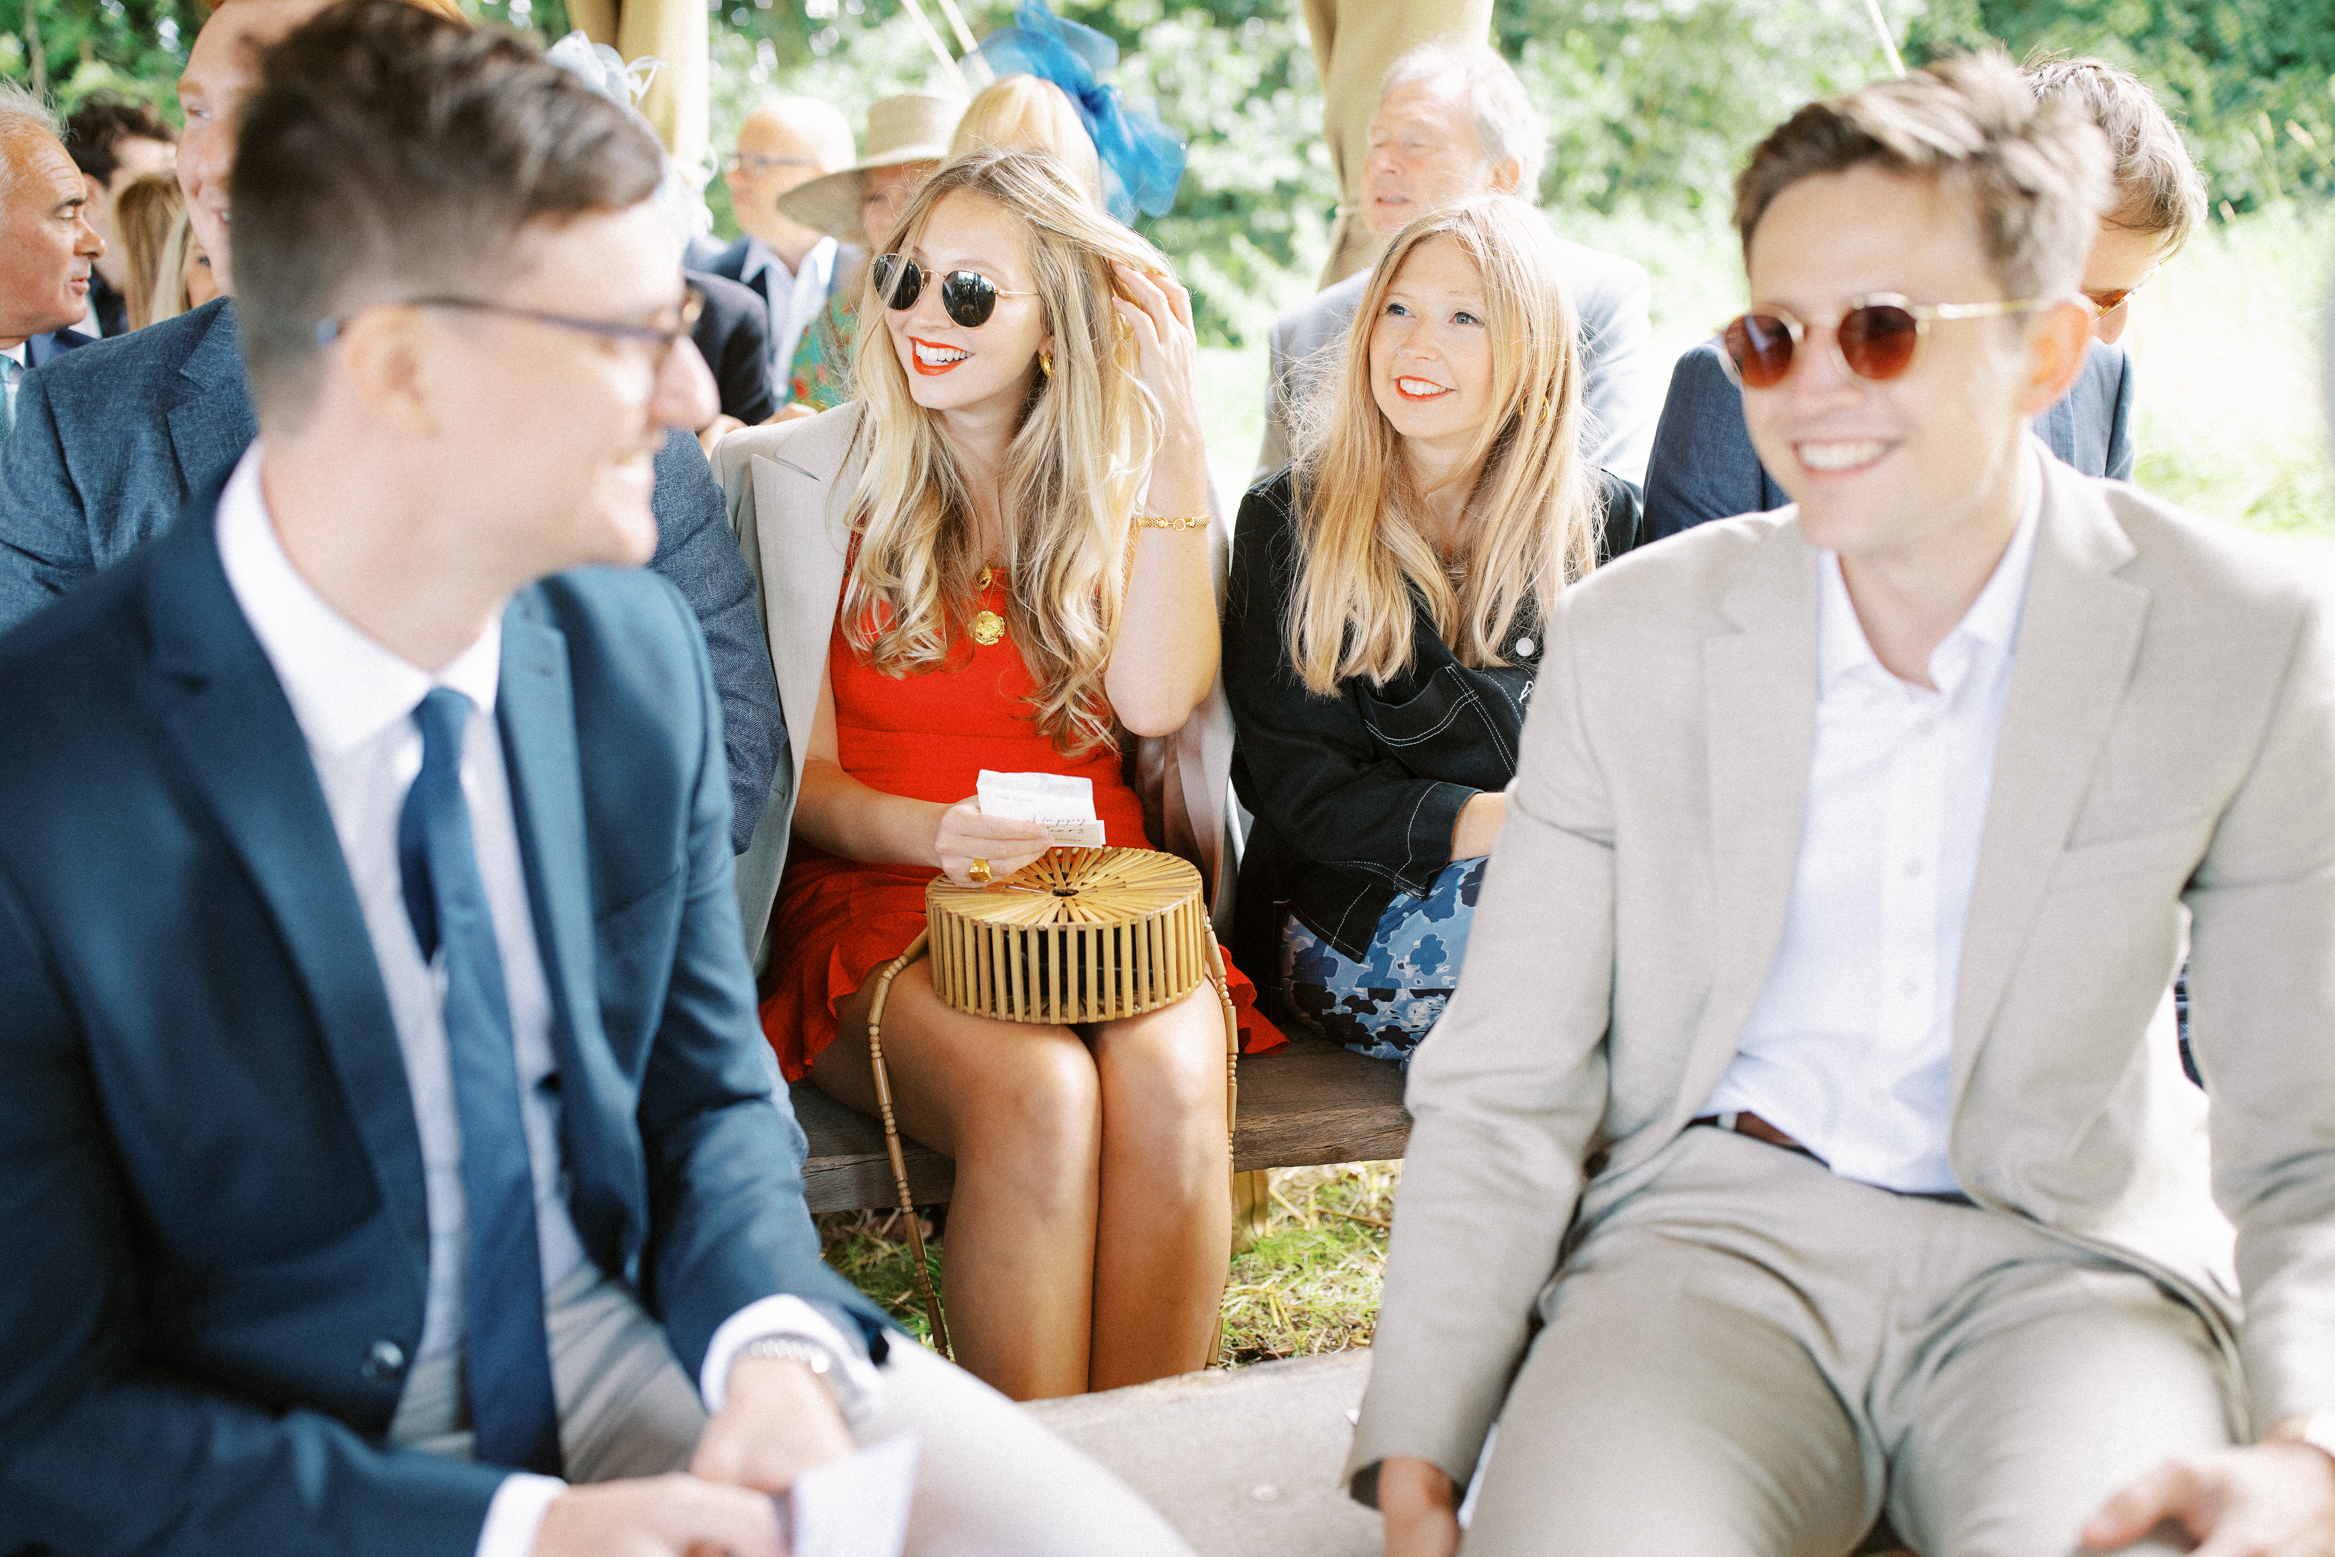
(1382, 626)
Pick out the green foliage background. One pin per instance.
(1652, 103)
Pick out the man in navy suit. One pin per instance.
(733, 335)
(44, 269)
(1703, 466)
(794, 269)
(388, 1159)
(112, 442)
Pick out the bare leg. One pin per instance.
(1017, 1105)
(1165, 1232)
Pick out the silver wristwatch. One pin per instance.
(850, 1399)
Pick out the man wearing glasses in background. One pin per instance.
(389, 1158)
(105, 453)
(1808, 1140)
(1703, 467)
(795, 269)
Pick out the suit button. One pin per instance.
(384, 1363)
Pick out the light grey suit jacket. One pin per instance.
(1622, 379)
(2169, 741)
(790, 492)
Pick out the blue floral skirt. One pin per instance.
(1384, 1005)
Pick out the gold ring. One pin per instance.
(979, 871)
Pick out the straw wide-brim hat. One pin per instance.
(913, 127)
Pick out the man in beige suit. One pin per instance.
(1807, 1141)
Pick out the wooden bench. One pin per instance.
(1312, 1102)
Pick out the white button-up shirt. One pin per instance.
(796, 299)
(1848, 1049)
(354, 700)
(11, 378)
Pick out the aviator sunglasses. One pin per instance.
(968, 296)
(2106, 303)
(1880, 337)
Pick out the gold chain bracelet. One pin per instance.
(1151, 522)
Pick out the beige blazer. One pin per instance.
(2167, 752)
(789, 490)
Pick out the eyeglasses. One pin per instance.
(2106, 303)
(658, 338)
(757, 164)
(968, 296)
(1880, 337)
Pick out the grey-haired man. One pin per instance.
(1453, 121)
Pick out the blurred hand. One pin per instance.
(715, 431)
(966, 835)
(661, 1516)
(778, 1420)
(792, 411)
(2267, 1500)
(1420, 1506)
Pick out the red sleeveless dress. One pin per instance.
(926, 736)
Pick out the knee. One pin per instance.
(1039, 1108)
(1168, 1078)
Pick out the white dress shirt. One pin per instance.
(795, 300)
(13, 376)
(354, 701)
(1848, 1049)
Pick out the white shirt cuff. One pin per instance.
(784, 1314)
(516, 1514)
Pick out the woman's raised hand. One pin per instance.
(1159, 311)
(967, 834)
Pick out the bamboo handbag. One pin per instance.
(1076, 936)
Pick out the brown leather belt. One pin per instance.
(1755, 1127)
(1760, 1130)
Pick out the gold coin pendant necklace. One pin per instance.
(988, 626)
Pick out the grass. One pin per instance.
(1310, 1284)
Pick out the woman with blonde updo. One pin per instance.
(1027, 113)
(1383, 625)
(999, 558)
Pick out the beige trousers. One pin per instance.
(990, 1482)
(1753, 1356)
(1353, 43)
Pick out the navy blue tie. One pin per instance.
(514, 1415)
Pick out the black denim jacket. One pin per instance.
(1355, 795)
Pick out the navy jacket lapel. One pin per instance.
(210, 417)
(224, 709)
(535, 708)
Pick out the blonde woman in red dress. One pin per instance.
(998, 558)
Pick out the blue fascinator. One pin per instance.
(1142, 159)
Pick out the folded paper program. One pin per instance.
(856, 1506)
(1064, 806)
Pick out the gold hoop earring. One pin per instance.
(1046, 363)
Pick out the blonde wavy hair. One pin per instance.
(1364, 558)
(1076, 468)
(1024, 113)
